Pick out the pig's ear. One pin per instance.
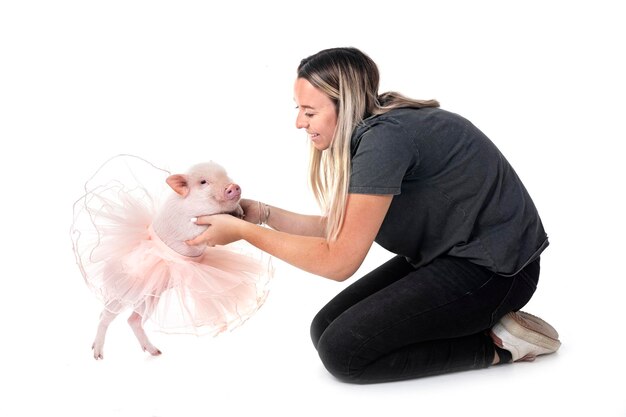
(179, 183)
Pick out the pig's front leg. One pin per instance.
(135, 323)
(238, 212)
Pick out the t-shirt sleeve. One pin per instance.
(384, 154)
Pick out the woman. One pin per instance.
(424, 184)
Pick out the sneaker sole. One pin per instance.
(527, 329)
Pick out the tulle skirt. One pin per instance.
(128, 267)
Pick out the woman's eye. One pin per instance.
(306, 114)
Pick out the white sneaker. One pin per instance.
(525, 336)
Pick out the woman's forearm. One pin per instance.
(301, 242)
(336, 259)
(294, 223)
(309, 253)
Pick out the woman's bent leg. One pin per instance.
(429, 321)
(386, 274)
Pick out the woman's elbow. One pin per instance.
(341, 265)
(340, 274)
(337, 277)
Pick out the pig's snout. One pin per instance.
(232, 192)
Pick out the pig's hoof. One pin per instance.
(97, 352)
(151, 350)
(238, 212)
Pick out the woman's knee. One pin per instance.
(337, 350)
(318, 326)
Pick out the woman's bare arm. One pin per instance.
(337, 260)
(284, 220)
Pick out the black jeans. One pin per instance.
(398, 322)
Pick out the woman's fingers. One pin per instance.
(198, 240)
(201, 238)
(222, 230)
(202, 220)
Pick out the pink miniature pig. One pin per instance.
(148, 267)
(205, 189)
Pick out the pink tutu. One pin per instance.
(128, 266)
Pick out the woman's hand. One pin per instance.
(223, 229)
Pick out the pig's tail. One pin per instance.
(264, 213)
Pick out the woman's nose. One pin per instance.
(301, 122)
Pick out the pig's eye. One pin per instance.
(203, 182)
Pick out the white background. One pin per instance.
(186, 81)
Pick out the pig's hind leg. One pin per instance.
(106, 317)
(134, 321)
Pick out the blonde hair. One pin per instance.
(350, 79)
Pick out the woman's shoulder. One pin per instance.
(393, 131)
(410, 120)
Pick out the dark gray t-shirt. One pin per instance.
(454, 192)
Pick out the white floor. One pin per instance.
(179, 83)
(269, 365)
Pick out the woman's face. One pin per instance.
(316, 114)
